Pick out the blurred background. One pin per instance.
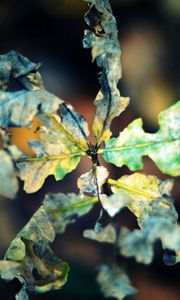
(51, 32)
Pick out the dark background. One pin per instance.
(51, 31)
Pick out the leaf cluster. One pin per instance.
(63, 142)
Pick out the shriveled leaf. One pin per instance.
(102, 38)
(92, 181)
(161, 224)
(63, 209)
(17, 109)
(30, 259)
(8, 178)
(162, 147)
(135, 191)
(57, 153)
(100, 234)
(114, 282)
(13, 64)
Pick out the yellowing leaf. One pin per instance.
(102, 38)
(57, 153)
(135, 191)
(114, 282)
(162, 147)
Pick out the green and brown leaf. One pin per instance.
(58, 152)
(162, 147)
(30, 259)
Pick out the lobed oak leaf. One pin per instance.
(162, 147)
(62, 144)
(135, 191)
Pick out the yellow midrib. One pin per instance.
(133, 189)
